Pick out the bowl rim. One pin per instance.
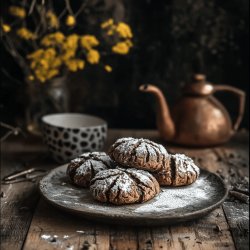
(102, 121)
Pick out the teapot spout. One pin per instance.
(164, 122)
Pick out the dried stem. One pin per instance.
(62, 13)
(6, 73)
(43, 23)
(12, 130)
(68, 6)
(32, 7)
(13, 51)
(83, 6)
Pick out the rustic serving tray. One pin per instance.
(172, 205)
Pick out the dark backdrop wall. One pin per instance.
(173, 40)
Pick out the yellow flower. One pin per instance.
(45, 64)
(52, 20)
(108, 68)
(52, 73)
(50, 53)
(89, 41)
(6, 28)
(26, 34)
(71, 42)
(129, 43)
(111, 31)
(31, 78)
(121, 48)
(107, 23)
(70, 20)
(124, 30)
(36, 55)
(57, 62)
(53, 39)
(68, 55)
(93, 56)
(17, 11)
(41, 75)
(75, 64)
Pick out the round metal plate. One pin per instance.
(172, 205)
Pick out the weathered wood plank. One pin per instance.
(210, 232)
(18, 200)
(145, 239)
(238, 220)
(53, 229)
(16, 213)
(123, 238)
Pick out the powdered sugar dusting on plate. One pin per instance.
(173, 198)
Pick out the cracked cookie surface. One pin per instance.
(84, 168)
(124, 186)
(139, 153)
(180, 170)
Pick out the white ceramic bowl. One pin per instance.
(68, 135)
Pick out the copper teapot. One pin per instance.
(198, 118)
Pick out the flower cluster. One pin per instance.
(26, 34)
(124, 33)
(52, 19)
(45, 63)
(17, 11)
(58, 51)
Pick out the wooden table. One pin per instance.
(28, 222)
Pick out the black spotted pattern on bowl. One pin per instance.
(68, 140)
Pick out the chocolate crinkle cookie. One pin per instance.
(139, 153)
(180, 170)
(84, 168)
(124, 186)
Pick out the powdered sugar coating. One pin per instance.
(180, 171)
(82, 169)
(124, 186)
(186, 170)
(139, 153)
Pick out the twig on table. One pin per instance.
(239, 196)
(241, 190)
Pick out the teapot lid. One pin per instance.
(199, 86)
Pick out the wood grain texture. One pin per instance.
(53, 229)
(238, 220)
(19, 200)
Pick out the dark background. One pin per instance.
(173, 40)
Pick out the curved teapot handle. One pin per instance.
(242, 101)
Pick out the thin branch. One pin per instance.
(6, 73)
(12, 50)
(43, 22)
(5, 136)
(32, 7)
(12, 130)
(68, 6)
(5, 125)
(62, 13)
(83, 6)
